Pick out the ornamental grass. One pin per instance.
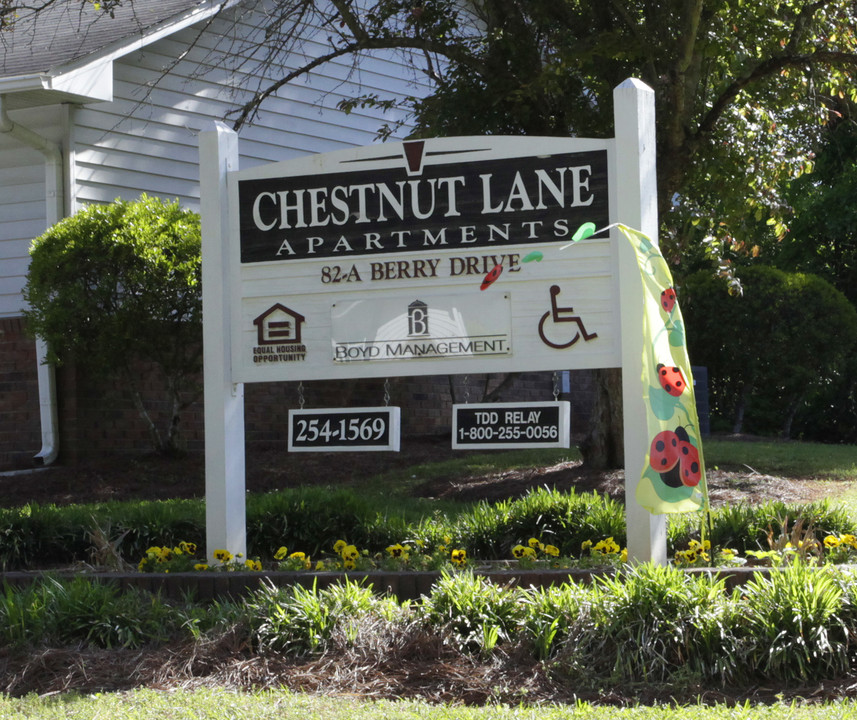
(645, 624)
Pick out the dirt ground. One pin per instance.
(156, 478)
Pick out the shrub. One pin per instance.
(313, 519)
(555, 616)
(298, 620)
(562, 519)
(770, 348)
(474, 611)
(793, 628)
(119, 283)
(83, 612)
(651, 624)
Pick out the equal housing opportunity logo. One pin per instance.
(278, 336)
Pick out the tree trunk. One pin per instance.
(786, 432)
(603, 447)
(743, 399)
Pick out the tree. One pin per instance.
(120, 283)
(741, 87)
(823, 235)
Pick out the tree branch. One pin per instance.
(765, 69)
(247, 110)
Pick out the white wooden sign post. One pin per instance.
(442, 256)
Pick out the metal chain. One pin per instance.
(555, 385)
(386, 392)
(301, 399)
(466, 389)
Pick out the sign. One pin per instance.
(419, 206)
(341, 429)
(511, 425)
(396, 328)
(417, 258)
(284, 243)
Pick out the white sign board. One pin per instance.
(428, 257)
(373, 262)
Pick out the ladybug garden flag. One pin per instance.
(673, 478)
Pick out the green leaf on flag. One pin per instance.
(662, 403)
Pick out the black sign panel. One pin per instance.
(492, 203)
(344, 429)
(511, 425)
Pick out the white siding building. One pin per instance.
(94, 108)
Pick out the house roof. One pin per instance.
(68, 47)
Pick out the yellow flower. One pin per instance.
(338, 546)
(142, 564)
(200, 566)
(624, 556)
(728, 553)
(447, 540)
(585, 545)
(607, 547)
(832, 541)
(535, 544)
(319, 566)
(252, 564)
(552, 550)
(350, 552)
(223, 556)
(349, 564)
(459, 557)
(518, 551)
(282, 551)
(849, 539)
(396, 551)
(189, 548)
(298, 556)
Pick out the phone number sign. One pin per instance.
(354, 429)
(511, 425)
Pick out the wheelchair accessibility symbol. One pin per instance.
(562, 315)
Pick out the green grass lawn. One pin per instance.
(225, 705)
(790, 459)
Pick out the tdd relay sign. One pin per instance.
(511, 425)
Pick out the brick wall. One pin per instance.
(97, 418)
(20, 429)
